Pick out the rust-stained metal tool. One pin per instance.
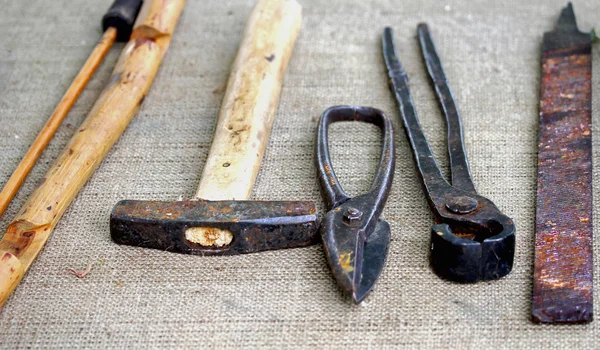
(563, 269)
(221, 221)
(471, 240)
(355, 240)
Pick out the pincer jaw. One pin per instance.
(254, 226)
(464, 260)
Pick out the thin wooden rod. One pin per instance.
(62, 109)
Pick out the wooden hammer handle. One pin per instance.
(250, 101)
(112, 112)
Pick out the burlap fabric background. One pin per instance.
(138, 298)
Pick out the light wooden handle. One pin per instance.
(250, 101)
(112, 112)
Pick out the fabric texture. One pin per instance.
(140, 298)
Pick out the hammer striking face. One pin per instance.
(214, 227)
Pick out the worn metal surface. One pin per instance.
(563, 281)
(256, 225)
(355, 240)
(471, 240)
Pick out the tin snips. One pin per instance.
(355, 240)
(471, 240)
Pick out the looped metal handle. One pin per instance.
(333, 192)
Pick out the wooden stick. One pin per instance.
(62, 109)
(112, 112)
(250, 102)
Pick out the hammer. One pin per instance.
(223, 221)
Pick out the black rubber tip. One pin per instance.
(121, 15)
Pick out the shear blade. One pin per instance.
(356, 270)
(374, 256)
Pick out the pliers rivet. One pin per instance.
(462, 204)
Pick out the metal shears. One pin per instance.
(472, 239)
(355, 239)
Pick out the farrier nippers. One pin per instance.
(471, 240)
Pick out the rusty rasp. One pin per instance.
(563, 281)
(472, 239)
(355, 240)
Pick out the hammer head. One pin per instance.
(214, 227)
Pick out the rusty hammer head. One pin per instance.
(214, 227)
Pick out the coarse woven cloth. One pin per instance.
(140, 298)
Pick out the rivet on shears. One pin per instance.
(353, 215)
